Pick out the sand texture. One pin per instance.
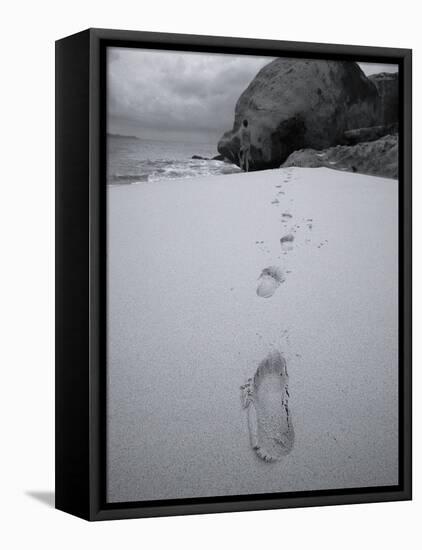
(205, 291)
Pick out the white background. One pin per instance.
(29, 30)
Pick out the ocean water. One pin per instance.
(133, 160)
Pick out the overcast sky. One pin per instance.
(157, 94)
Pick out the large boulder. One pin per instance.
(297, 103)
(388, 89)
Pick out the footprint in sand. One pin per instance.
(266, 399)
(309, 223)
(286, 218)
(286, 242)
(261, 247)
(269, 280)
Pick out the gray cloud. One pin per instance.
(153, 92)
(175, 91)
(374, 68)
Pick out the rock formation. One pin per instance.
(388, 89)
(377, 158)
(297, 103)
(368, 134)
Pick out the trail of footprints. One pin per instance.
(271, 277)
(266, 395)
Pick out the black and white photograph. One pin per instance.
(252, 274)
(209, 237)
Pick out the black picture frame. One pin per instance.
(80, 274)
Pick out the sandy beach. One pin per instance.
(186, 329)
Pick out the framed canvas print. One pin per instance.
(233, 274)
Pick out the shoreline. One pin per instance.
(167, 180)
(287, 165)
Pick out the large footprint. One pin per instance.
(269, 280)
(266, 399)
